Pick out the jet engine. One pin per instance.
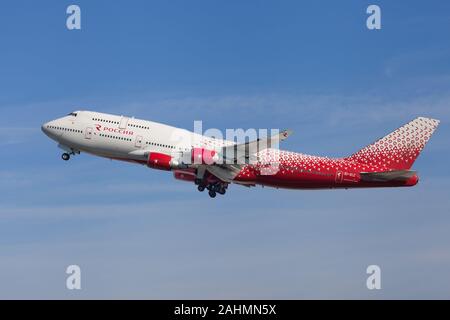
(162, 161)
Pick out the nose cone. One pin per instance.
(44, 128)
(50, 130)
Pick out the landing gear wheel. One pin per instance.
(201, 188)
(212, 193)
(65, 156)
(222, 190)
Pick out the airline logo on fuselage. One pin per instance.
(99, 127)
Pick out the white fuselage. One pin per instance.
(123, 138)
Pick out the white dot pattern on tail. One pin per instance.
(398, 150)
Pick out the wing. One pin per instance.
(226, 173)
(245, 153)
(233, 159)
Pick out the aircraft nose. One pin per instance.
(49, 129)
(44, 128)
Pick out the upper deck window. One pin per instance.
(72, 114)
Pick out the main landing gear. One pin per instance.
(212, 193)
(216, 188)
(213, 188)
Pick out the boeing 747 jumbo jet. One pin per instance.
(213, 163)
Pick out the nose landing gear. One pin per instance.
(68, 151)
(65, 156)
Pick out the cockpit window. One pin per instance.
(72, 114)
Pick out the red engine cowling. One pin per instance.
(159, 161)
(204, 156)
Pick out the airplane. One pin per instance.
(213, 164)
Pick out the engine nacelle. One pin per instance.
(161, 161)
(204, 156)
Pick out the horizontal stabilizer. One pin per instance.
(396, 175)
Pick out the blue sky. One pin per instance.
(311, 66)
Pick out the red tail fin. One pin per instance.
(399, 149)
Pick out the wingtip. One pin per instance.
(286, 133)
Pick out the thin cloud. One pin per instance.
(17, 135)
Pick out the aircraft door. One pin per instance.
(123, 123)
(138, 142)
(88, 134)
(339, 176)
